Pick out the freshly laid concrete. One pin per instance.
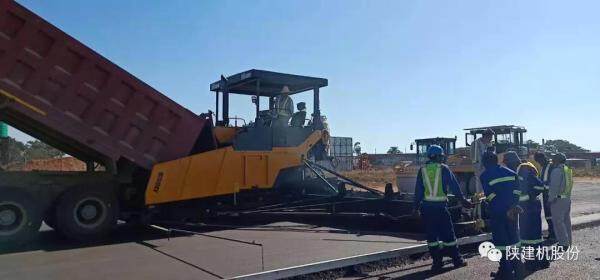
(154, 256)
(149, 254)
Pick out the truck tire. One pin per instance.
(20, 217)
(86, 213)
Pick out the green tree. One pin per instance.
(565, 146)
(394, 150)
(532, 144)
(19, 153)
(39, 150)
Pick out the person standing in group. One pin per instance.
(559, 194)
(478, 148)
(501, 190)
(431, 201)
(545, 169)
(530, 221)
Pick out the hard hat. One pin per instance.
(488, 131)
(512, 157)
(489, 159)
(434, 150)
(285, 89)
(559, 158)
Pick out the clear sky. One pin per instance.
(397, 70)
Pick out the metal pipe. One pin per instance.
(356, 184)
(305, 206)
(319, 175)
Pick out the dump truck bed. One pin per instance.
(60, 91)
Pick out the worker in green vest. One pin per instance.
(434, 181)
(559, 194)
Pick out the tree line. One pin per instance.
(20, 153)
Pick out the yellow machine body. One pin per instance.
(222, 171)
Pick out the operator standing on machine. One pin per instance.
(431, 199)
(478, 148)
(283, 108)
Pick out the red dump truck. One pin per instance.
(60, 91)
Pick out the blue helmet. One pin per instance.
(434, 150)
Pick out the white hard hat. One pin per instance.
(285, 89)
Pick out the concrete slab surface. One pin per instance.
(148, 254)
(133, 254)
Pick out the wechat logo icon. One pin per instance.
(487, 249)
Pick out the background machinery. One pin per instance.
(506, 138)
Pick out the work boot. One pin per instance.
(518, 269)
(543, 264)
(530, 265)
(436, 257)
(505, 270)
(503, 273)
(459, 262)
(457, 259)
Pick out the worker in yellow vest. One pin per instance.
(559, 193)
(283, 108)
(434, 181)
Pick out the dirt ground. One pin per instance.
(52, 164)
(374, 178)
(377, 178)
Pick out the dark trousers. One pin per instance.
(504, 233)
(530, 222)
(530, 231)
(439, 229)
(548, 214)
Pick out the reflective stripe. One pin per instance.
(281, 106)
(517, 192)
(434, 244)
(532, 241)
(501, 179)
(435, 198)
(449, 244)
(490, 197)
(539, 188)
(524, 198)
(549, 218)
(546, 172)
